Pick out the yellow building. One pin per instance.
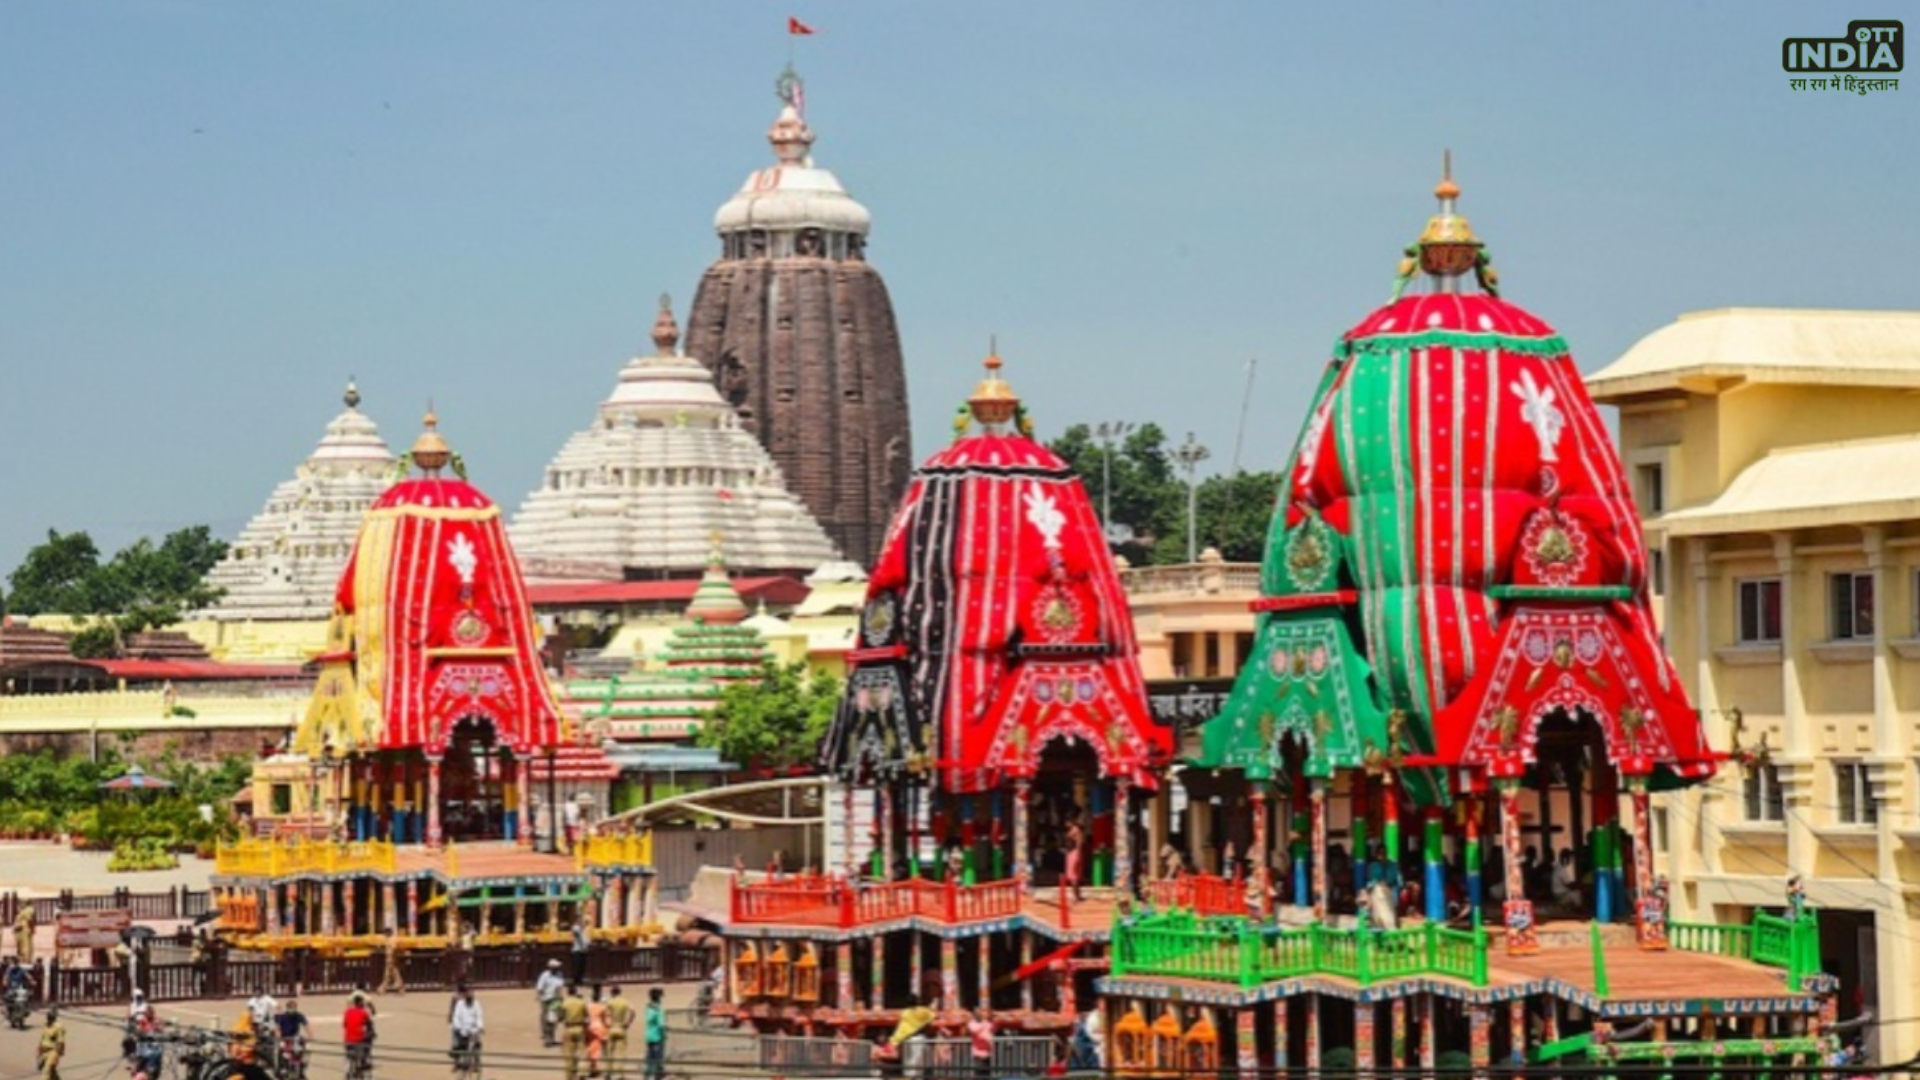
(1775, 457)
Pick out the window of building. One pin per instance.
(1850, 605)
(281, 799)
(1856, 804)
(1764, 799)
(1758, 611)
(1212, 667)
(1653, 490)
(1657, 571)
(1661, 839)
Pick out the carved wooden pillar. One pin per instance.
(1523, 936)
(1365, 1013)
(1123, 837)
(843, 974)
(846, 807)
(523, 779)
(1022, 870)
(949, 974)
(1429, 1032)
(1246, 1044)
(1261, 874)
(433, 802)
(984, 998)
(1318, 804)
(1480, 1037)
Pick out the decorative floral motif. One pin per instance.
(469, 629)
(878, 621)
(1310, 554)
(1538, 409)
(1058, 615)
(464, 559)
(1044, 514)
(1555, 549)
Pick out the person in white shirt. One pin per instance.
(262, 1008)
(467, 1022)
(546, 991)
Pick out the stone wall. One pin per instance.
(807, 349)
(192, 744)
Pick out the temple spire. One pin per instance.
(993, 402)
(666, 332)
(1447, 249)
(430, 451)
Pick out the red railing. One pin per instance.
(814, 900)
(1203, 894)
(807, 899)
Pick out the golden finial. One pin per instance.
(1448, 248)
(666, 332)
(430, 451)
(993, 401)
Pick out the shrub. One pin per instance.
(135, 856)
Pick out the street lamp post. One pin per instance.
(1107, 433)
(1190, 454)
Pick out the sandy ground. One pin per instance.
(412, 1035)
(43, 869)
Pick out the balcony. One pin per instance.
(819, 901)
(1191, 579)
(1232, 949)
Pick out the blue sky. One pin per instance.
(212, 213)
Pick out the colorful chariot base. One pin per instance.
(281, 895)
(1190, 980)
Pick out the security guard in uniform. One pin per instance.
(53, 1046)
(619, 1018)
(573, 1031)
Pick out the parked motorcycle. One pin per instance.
(19, 1006)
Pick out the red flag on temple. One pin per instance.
(795, 26)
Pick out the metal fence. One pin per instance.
(178, 903)
(239, 975)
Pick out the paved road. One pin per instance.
(412, 1038)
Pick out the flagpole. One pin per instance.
(1246, 399)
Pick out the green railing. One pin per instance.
(1793, 944)
(1232, 949)
(1712, 939)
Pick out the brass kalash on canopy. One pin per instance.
(436, 752)
(995, 719)
(1454, 626)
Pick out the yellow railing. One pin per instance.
(283, 858)
(634, 850)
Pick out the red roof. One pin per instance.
(778, 591)
(195, 670)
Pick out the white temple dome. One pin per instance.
(286, 563)
(665, 466)
(793, 193)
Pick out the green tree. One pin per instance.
(96, 641)
(148, 587)
(1147, 497)
(776, 721)
(144, 586)
(1233, 512)
(57, 577)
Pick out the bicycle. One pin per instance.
(360, 1061)
(466, 1056)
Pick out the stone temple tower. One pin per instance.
(799, 332)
